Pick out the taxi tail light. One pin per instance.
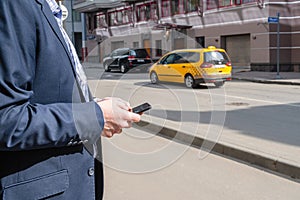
(228, 63)
(147, 57)
(206, 65)
(131, 57)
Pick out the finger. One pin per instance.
(109, 129)
(118, 131)
(127, 116)
(124, 105)
(107, 98)
(107, 133)
(125, 124)
(133, 117)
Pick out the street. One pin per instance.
(259, 117)
(188, 177)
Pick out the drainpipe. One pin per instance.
(159, 11)
(72, 18)
(133, 15)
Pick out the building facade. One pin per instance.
(242, 27)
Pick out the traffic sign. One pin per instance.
(273, 20)
(64, 12)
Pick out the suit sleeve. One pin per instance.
(25, 125)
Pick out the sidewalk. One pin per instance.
(229, 147)
(287, 78)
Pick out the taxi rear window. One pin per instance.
(216, 57)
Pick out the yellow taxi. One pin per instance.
(192, 67)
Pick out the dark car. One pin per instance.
(125, 59)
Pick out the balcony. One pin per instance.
(87, 6)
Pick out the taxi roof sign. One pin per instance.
(211, 47)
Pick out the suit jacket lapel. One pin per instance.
(53, 23)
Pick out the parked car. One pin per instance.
(124, 59)
(192, 67)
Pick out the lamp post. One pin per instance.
(278, 46)
(275, 20)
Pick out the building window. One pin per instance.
(154, 11)
(200, 42)
(248, 1)
(238, 2)
(113, 19)
(126, 16)
(158, 46)
(135, 44)
(192, 5)
(177, 7)
(120, 17)
(100, 21)
(165, 7)
(76, 16)
(212, 4)
(225, 3)
(116, 45)
(145, 12)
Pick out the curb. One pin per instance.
(273, 164)
(265, 81)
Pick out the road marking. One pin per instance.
(265, 101)
(257, 100)
(211, 92)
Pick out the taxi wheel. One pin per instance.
(153, 78)
(189, 81)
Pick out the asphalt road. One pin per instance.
(260, 117)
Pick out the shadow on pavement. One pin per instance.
(261, 122)
(167, 85)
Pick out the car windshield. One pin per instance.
(216, 57)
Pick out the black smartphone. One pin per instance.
(141, 108)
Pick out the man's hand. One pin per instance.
(117, 115)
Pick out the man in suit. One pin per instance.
(48, 121)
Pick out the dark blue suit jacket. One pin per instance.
(43, 119)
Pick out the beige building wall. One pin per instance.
(240, 30)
